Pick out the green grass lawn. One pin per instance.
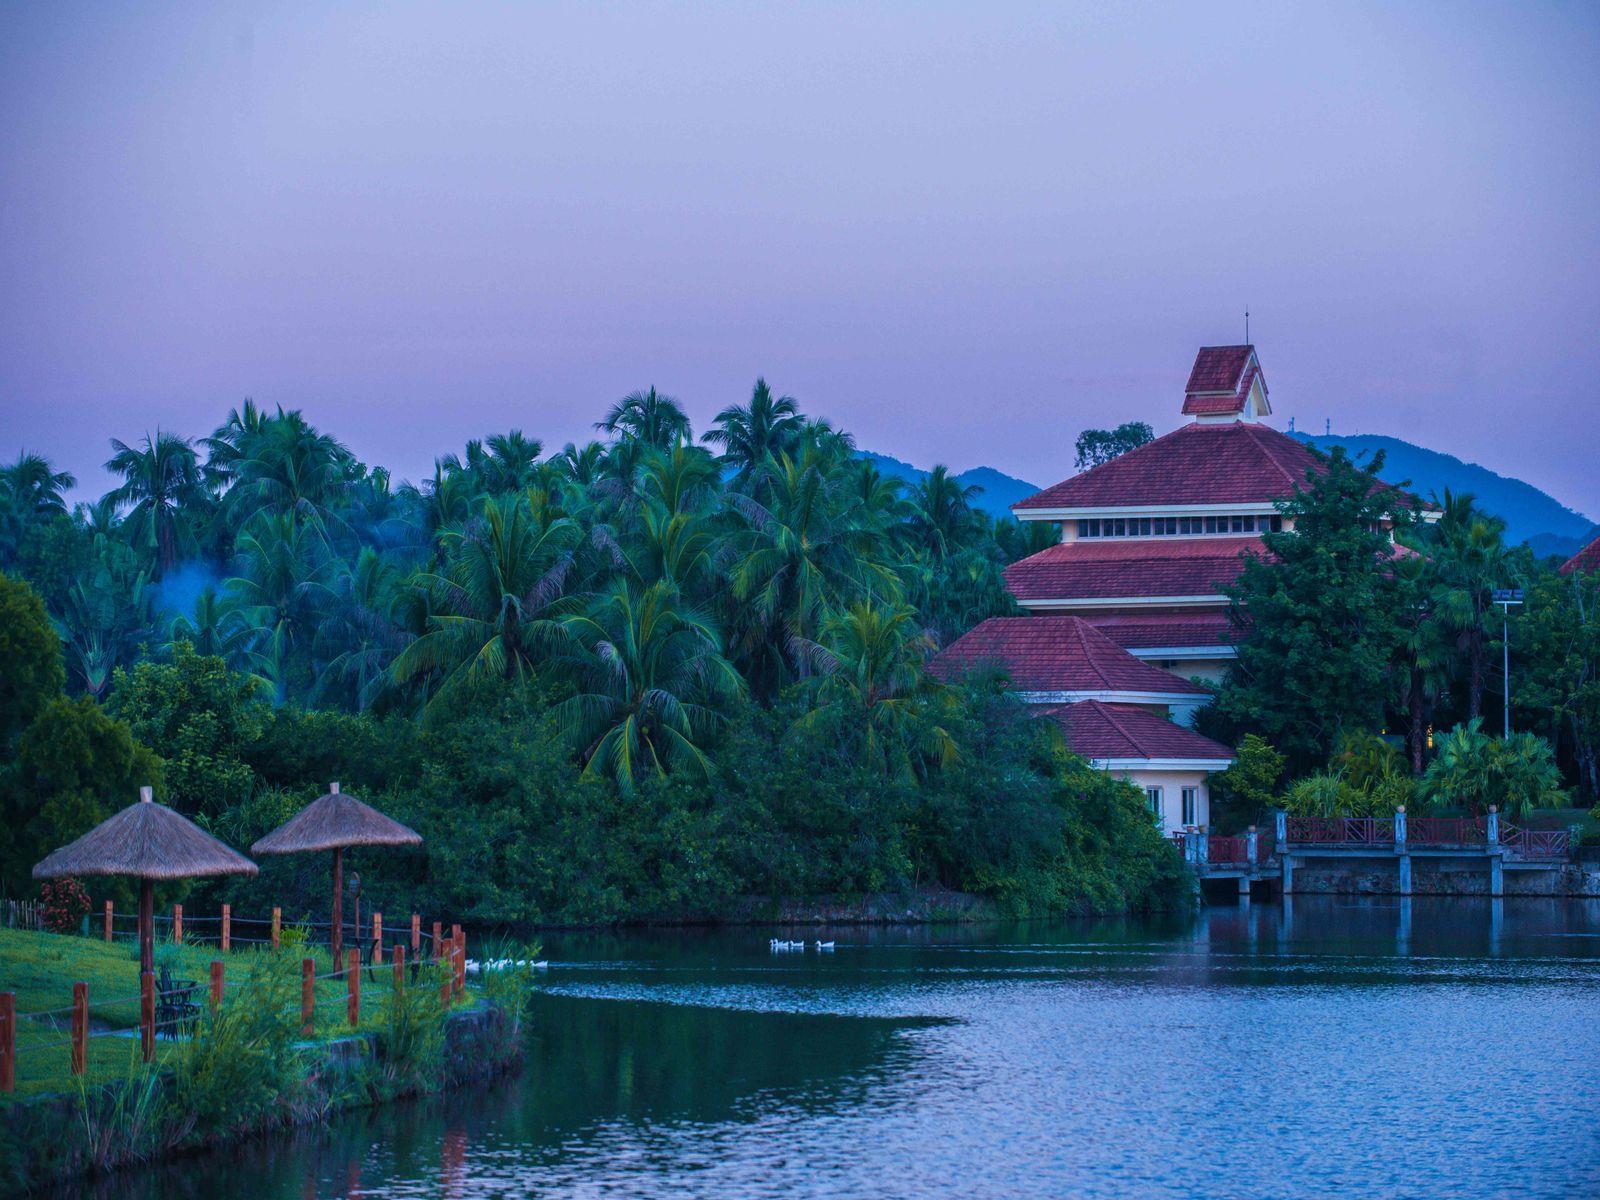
(40, 968)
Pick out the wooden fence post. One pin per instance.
(216, 983)
(277, 922)
(108, 920)
(399, 956)
(377, 936)
(308, 994)
(354, 976)
(416, 934)
(461, 960)
(80, 1026)
(438, 942)
(447, 986)
(147, 1015)
(227, 926)
(177, 923)
(8, 1041)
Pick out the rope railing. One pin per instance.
(179, 1005)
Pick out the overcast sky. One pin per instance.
(964, 232)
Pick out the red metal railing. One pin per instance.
(1534, 843)
(1447, 831)
(1341, 831)
(1227, 849)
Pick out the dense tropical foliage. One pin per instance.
(650, 675)
(1343, 637)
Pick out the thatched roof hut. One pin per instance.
(333, 822)
(147, 841)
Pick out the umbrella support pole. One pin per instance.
(338, 906)
(147, 920)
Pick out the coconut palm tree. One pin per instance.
(213, 628)
(357, 636)
(941, 511)
(1423, 659)
(285, 465)
(510, 462)
(811, 549)
(649, 417)
(34, 486)
(1470, 553)
(162, 487)
(497, 605)
(285, 570)
(752, 433)
(649, 675)
(871, 662)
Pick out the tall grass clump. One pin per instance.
(244, 1064)
(410, 1032)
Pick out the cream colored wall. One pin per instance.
(1172, 784)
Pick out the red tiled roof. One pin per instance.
(1097, 731)
(1055, 653)
(1219, 384)
(1237, 462)
(1217, 369)
(1587, 559)
(1095, 570)
(1139, 631)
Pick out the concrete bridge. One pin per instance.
(1273, 856)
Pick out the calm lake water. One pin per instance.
(1331, 1047)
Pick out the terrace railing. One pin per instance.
(1340, 831)
(1401, 832)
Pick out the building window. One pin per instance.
(1143, 527)
(1153, 796)
(1191, 806)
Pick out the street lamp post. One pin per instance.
(1505, 598)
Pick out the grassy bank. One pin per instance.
(242, 1067)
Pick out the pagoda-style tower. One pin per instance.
(1149, 539)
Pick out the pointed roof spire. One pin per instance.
(1226, 383)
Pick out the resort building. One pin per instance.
(1114, 709)
(1149, 539)
(1128, 610)
(1587, 559)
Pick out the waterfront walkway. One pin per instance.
(1499, 846)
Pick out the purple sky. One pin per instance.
(962, 231)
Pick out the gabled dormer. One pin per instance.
(1226, 384)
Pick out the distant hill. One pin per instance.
(1000, 491)
(1532, 516)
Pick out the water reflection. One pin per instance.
(1242, 1051)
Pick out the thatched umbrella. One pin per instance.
(333, 822)
(148, 841)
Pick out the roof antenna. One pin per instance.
(1246, 324)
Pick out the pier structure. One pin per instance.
(1273, 856)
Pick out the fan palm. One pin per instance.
(649, 676)
(162, 487)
